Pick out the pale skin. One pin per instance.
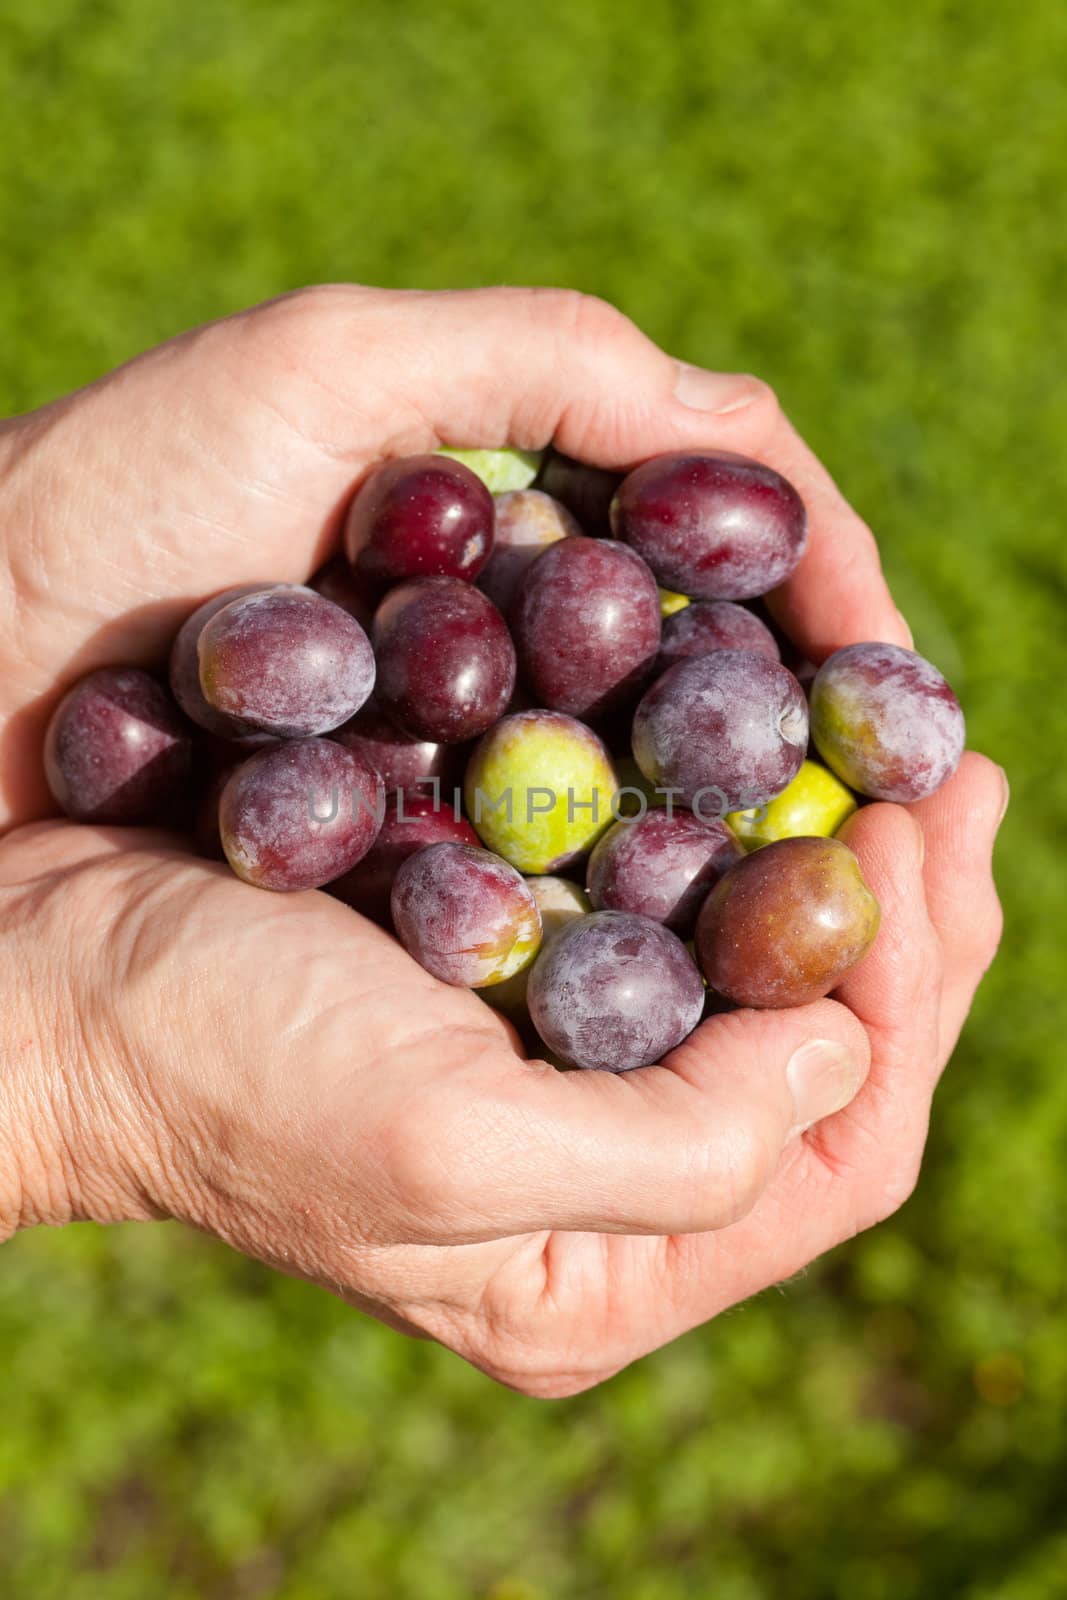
(274, 1069)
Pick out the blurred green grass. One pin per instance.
(864, 205)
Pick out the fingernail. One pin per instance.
(718, 392)
(1007, 797)
(902, 619)
(823, 1076)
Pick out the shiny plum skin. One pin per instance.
(784, 926)
(884, 719)
(586, 622)
(709, 625)
(117, 749)
(815, 803)
(412, 821)
(286, 662)
(660, 866)
(527, 522)
(728, 731)
(401, 760)
(446, 663)
(184, 669)
(614, 991)
(299, 814)
(353, 591)
(420, 517)
(465, 915)
(711, 524)
(586, 491)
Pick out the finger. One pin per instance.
(688, 1145)
(960, 824)
(896, 994)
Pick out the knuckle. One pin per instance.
(581, 317)
(730, 1174)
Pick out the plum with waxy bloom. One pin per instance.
(116, 749)
(725, 731)
(465, 915)
(660, 866)
(614, 991)
(884, 719)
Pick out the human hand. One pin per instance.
(274, 1068)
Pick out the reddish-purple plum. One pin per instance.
(726, 731)
(614, 991)
(886, 721)
(527, 522)
(412, 821)
(784, 926)
(660, 866)
(709, 625)
(185, 664)
(586, 622)
(117, 749)
(711, 524)
(465, 915)
(446, 663)
(402, 760)
(353, 591)
(286, 662)
(586, 491)
(420, 517)
(299, 814)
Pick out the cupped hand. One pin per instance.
(277, 1070)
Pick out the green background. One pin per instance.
(864, 204)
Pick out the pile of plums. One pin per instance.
(546, 735)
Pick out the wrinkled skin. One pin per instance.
(581, 1219)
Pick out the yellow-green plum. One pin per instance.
(500, 470)
(814, 803)
(786, 923)
(671, 602)
(539, 789)
(886, 721)
(465, 915)
(560, 903)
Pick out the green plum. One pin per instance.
(500, 470)
(814, 803)
(539, 789)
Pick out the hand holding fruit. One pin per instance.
(279, 1071)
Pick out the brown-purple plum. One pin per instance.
(614, 991)
(185, 664)
(784, 926)
(412, 821)
(353, 591)
(709, 625)
(660, 866)
(586, 491)
(465, 915)
(446, 663)
(286, 662)
(299, 814)
(402, 760)
(527, 522)
(884, 719)
(117, 749)
(420, 517)
(711, 524)
(726, 731)
(586, 622)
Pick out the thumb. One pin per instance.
(684, 1147)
